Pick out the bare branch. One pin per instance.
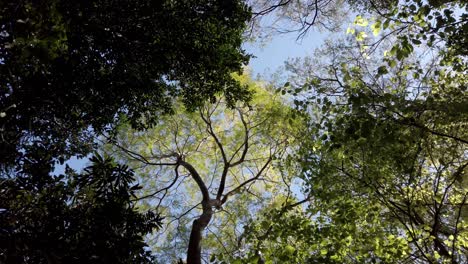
(271, 8)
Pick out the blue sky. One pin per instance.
(273, 55)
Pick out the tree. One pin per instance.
(385, 167)
(67, 66)
(86, 217)
(69, 71)
(302, 16)
(213, 165)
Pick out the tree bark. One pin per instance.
(199, 224)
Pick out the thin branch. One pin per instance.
(163, 189)
(141, 158)
(235, 190)
(207, 121)
(270, 9)
(245, 144)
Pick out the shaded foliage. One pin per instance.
(385, 164)
(70, 70)
(74, 218)
(68, 66)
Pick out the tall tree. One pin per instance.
(212, 166)
(386, 165)
(68, 66)
(69, 71)
(83, 218)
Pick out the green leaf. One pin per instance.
(386, 24)
(376, 28)
(382, 70)
(361, 36)
(360, 21)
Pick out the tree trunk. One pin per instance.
(199, 224)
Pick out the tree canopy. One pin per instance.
(215, 166)
(360, 157)
(385, 164)
(88, 217)
(69, 67)
(70, 71)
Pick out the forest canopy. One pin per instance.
(358, 154)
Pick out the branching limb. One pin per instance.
(165, 189)
(256, 177)
(198, 179)
(244, 144)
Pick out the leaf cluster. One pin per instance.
(74, 218)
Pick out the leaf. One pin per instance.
(376, 28)
(386, 24)
(289, 249)
(360, 21)
(361, 36)
(382, 70)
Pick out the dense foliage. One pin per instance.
(70, 70)
(68, 66)
(84, 218)
(360, 157)
(385, 169)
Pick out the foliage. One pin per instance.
(385, 167)
(72, 69)
(67, 66)
(74, 218)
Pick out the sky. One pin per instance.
(269, 57)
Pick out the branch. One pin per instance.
(163, 189)
(245, 144)
(197, 178)
(456, 226)
(436, 132)
(227, 164)
(212, 134)
(270, 8)
(235, 190)
(142, 158)
(304, 28)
